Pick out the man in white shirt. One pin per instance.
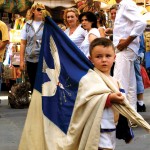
(128, 26)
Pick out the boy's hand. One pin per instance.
(116, 98)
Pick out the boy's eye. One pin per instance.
(98, 56)
(108, 55)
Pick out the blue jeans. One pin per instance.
(139, 81)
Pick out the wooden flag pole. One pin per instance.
(144, 3)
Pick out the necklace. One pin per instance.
(72, 30)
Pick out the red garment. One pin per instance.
(108, 103)
(146, 80)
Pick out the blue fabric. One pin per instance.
(122, 90)
(123, 131)
(139, 80)
(107, 130)
(142, 44)
(147, 60)
(74, 65)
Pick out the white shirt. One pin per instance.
(107, 121)
(78, 35)
(35, 24)
(85, 44)
(128, 22)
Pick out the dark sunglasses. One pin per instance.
(39, 9)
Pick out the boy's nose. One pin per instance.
(104, 58)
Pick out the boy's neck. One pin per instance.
(107, 74)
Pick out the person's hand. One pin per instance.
(22, 66)
(116, 98)
(122, 44)
(45, 13)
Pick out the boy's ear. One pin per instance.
(90, 58)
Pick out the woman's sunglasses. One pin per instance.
(39, 9)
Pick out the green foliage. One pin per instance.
(15, 6)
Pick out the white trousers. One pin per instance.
(124, 72)
(107, 140)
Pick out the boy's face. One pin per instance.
(103, 58)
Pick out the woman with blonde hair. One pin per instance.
(101, 22)
(31, 37)
(74, 30)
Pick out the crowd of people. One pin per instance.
(128, 39)
(115, 49)
(127, 27)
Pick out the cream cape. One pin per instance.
(84, 131)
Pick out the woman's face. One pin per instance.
(38, 13)
(85, 23)
(113, 14)
(72, 19)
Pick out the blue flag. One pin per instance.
(61, 67)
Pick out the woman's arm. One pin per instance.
(101, 31)
(22, 54)
(92, 37)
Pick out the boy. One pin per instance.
(102, 55)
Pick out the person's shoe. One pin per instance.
(141, 108)
(132, 125)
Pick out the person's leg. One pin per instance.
(31, 70)
(140, 87)
(124, 72)
(107, 141)
(140, 103)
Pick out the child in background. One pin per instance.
(102, 55)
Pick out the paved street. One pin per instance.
(12, 122)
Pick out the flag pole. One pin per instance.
(144, 3)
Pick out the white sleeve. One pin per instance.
(139, 22)
(95, 32)
(84, 32)
(23, 33)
